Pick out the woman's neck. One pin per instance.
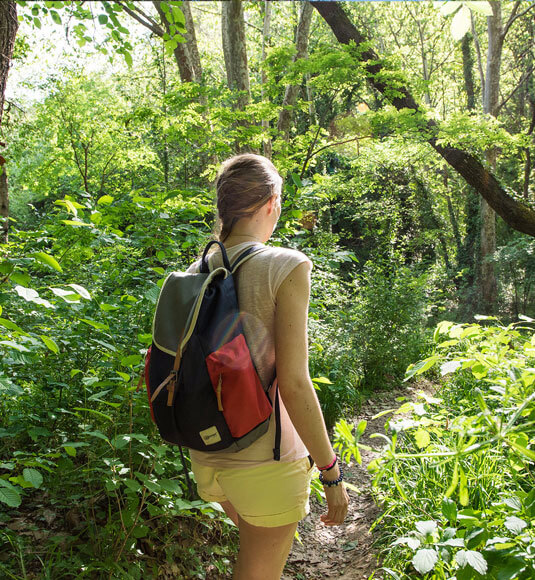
(235, 238)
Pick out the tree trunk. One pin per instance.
(488, 283)
(290, 95)
(8, 31)
(516, 214)
(468, 71)
(235, 50)
(191, 43)
(265, 41)
(186, 53)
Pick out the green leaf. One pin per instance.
(420, 367)
(132, 484)
(128, 58)
(48, 260)
(322, 380)
(426, 527)
(450, 7)
(9, 494)
(105, 199)
(126, 377)
(422, 438)
(14, 345)
(297, 180)
(50, 343)
(108, 307)
(75, 223)
(482, 7)
(463, 488)
(33, 476)
(424, 560)
(523, 450)
(473, 559)
(514, 524)
(37, 22)
(102, 18)
(80, 290)
(94, 412)
(95, 324)
(131, 360)
(21, 278)
(67, 295)
(449, 367)
(55, 17)
(449, 510)
(11, 325)
(31, 295)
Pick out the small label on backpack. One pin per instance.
(210, 435)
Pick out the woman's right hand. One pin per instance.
(337, 504)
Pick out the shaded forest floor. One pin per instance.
(349, 552)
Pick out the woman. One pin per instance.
(263, 497)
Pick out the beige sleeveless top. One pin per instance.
(258, 281)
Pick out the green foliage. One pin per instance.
(456, 474)
(388, 320)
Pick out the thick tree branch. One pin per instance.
(514, 16)
(142, 18)
(516, 214)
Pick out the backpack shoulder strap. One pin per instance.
(245, 255)
(205, 268)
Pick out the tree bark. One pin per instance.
(516, 214)
(468, 72)
(290, 95)
(8, 32)
(186, 53)
(266, 35)
(466, 257)
(488, 283)
(235, 50)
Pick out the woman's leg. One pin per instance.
(263, 551)
(231, 512)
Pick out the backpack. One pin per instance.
(203, 388)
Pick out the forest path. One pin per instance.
(347, 552)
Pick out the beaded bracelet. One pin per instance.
(334, 481)
(330, 466)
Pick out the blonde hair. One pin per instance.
(243, 185)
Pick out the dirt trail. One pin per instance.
(347, 552)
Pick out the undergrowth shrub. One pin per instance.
(388, 322)
(456, 477)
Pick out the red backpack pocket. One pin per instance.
(240, 395)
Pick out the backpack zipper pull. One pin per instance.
(218, 393)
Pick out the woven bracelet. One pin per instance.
(334, 481)
(330, 466)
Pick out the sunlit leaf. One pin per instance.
(514, 524)
(422, 438)
(48, 260)
(50, 343)
(482, 7)
(473, 559)
(81, 291)
(424, 560)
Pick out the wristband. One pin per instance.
(330, 465)
(334, 481)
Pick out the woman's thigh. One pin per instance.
(263, 551)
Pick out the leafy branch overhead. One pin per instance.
(518, 215)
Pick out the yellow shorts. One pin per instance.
(269, 495)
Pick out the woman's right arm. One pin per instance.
(295, 386)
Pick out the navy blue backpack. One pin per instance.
(203, 388)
